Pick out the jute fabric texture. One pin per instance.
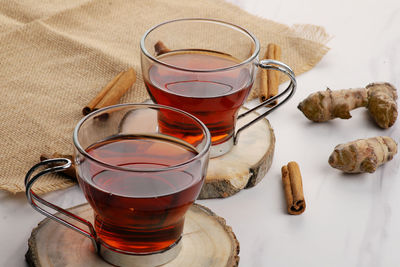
(56, 55)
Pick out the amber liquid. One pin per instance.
(213, 97)
(140, 212)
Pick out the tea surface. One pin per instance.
(140, 211)
(212, 96)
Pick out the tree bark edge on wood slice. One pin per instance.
(202, 226)
(245, 165)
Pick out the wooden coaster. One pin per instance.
(245, 165)
(207, 241)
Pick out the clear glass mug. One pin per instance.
(207, 68)
(138, 174)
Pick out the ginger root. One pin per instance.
(363, 155)
(382, 104)
(378, 98)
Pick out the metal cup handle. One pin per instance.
(275, 65)
(33, 197)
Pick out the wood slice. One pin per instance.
(207, 241)
(245, 165)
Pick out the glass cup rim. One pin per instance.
(228, 24)
(201, 153)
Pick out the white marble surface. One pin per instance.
(351, 220)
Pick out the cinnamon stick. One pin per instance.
(293, 187)
(160, 48)
(112, 92)
(270, 79)
(70, 172)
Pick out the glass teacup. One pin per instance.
(139, 175)
(207, 68)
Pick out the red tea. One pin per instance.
(214, 97)
(140, 211)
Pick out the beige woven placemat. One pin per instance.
(55, 56)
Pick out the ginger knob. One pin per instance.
(363, 155)
(382, 104)
(378, 98)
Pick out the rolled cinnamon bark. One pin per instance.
(160, 48)
(269, 79)
(293, 187)
(92, 104)
(112, 92)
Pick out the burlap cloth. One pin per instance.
(55, 56)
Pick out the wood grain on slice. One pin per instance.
(245, 165)
(207, 241)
